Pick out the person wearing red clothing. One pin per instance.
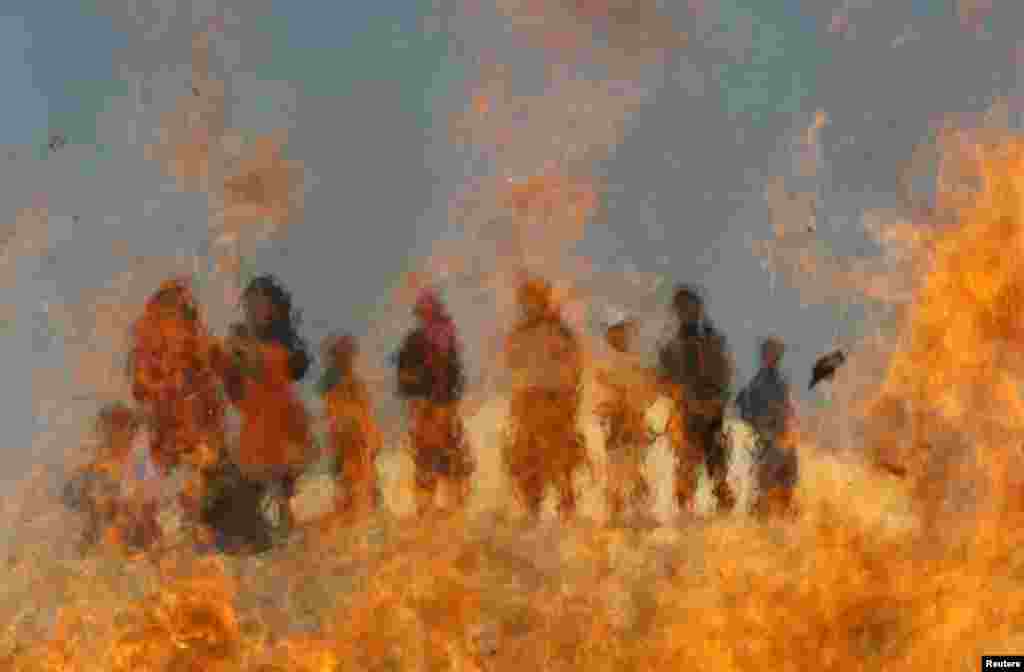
(431, 381)
(261, 361)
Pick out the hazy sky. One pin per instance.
(367, 97)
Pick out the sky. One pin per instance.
(367, 92)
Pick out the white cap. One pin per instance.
(614, 316)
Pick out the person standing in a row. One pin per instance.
(698, 368)
(354, 437)
(767, 405)
(431, 381)
(266, 358)
(545, 447)
(175, 382)
(627, 389)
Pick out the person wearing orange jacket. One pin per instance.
(175, 382)
(260, 362)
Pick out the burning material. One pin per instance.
(960, 368)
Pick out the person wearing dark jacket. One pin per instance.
(766, 404)
(697, 367)
(431, 381)
(261, 362)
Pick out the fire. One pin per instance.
(962, 366)
(191, 623)
(847, 583)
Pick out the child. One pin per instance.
(355, 437)
(627, 389)
(112, 490)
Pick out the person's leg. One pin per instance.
(614, 495)
(689, 457)
(462, 462)
(362, 483)
(640, 489)
(566, 493)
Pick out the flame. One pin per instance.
(845, 583)
(962, 364)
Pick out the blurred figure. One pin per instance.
(627, 389)
(697, 367)
(110, 489)
(431, 381)
(175, 382)
(826, 366)
(544, 447)
(354, 436)
(767, 405)
(262, 360)
(173, 378)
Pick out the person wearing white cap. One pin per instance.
(626, 390)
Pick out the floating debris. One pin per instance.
(825, 368)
